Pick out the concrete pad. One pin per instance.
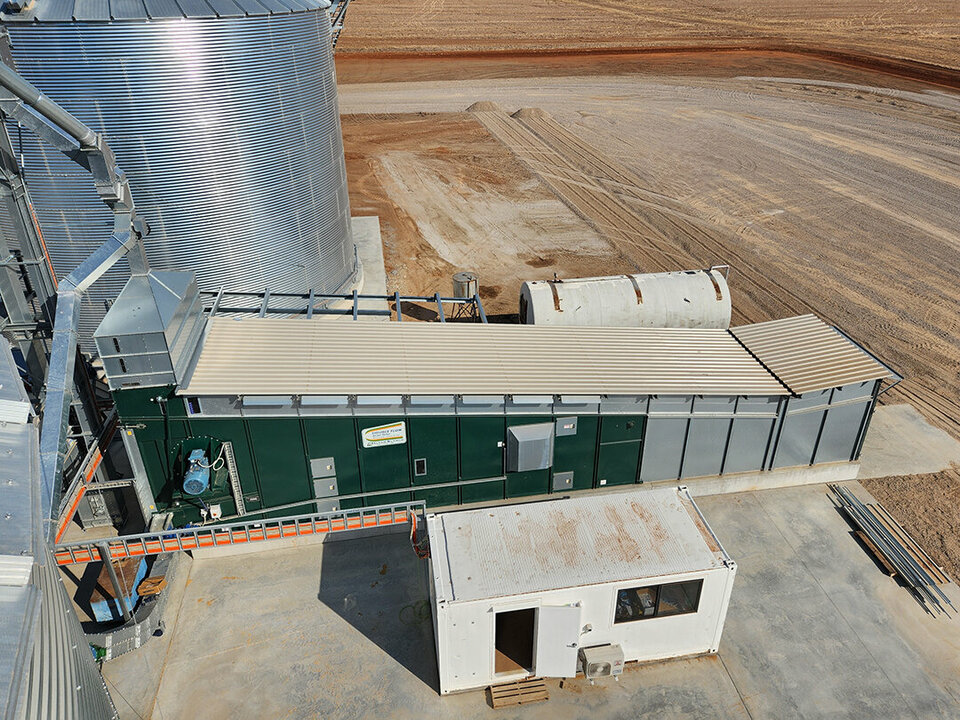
(133, 679)
(366, 236)
(372, 276)
(814, 628)
(901, 442)
(343, 630)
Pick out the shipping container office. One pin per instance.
(520, 590)
(304, 415)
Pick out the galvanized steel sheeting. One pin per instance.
(807, 354)
(229, 132)
(46, 667)
(518, 549)
(105, 10)
(297, 356)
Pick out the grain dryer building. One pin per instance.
(596, 581)
(294, 415)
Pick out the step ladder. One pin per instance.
(250, 531)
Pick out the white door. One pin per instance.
(558, 641)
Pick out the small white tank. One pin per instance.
(686, 299)
(465, 285)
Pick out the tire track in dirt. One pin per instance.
(614, 200)
(611, 218)
(689, 242)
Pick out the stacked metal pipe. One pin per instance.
(900, 557)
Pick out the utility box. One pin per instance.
(519, 590)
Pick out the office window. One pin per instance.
(652, 601)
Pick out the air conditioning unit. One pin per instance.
(601, 661)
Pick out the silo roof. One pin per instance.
(806, 354)
(44, 11)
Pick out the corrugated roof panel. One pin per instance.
(514, 549)
(226, 8)
(127, 9)
(92, 10)
(278, 356)
(54, 10)
(196, 9)
(275, 6)
(806, 354)
(104, 10)
(252, 7)
(159, 9)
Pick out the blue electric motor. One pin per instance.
(196, 480)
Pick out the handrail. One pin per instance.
(249, 531)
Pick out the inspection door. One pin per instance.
(558, 640)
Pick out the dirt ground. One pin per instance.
(830, 196)
(928, 506)
(924, 32)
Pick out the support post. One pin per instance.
(118, 591)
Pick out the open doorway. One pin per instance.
(513, 643)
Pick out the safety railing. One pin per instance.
(250, 531)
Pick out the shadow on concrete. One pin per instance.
(379, 586)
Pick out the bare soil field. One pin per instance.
(928, 506)
(834, 196)
(922, 32)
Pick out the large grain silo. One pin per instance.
(224, 116)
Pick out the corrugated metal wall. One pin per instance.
(229, 131)
(65, 682)
(461, 450)
(47, 670)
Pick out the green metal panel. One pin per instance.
(335, 437)
(295, 510)
(438, 496)
(531, 482)
(234, 431)
(618, 463)
(140, 403)
(480, 492)
(434, 439)
(385, 466)
(481, 449)
(280, 460)
(617, 428)
(158, 441)
(387, 499)
(578, 453)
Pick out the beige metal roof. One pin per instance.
(272, 356)
(516, 549)
(807, 354)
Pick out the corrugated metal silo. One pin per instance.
(224, 116)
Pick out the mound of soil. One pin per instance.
(531, 114)
(485, 106)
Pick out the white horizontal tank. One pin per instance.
(685, 299)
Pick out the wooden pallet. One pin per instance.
(521, 692)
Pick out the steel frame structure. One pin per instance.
(238, 533)
(308, 304)
(22, 102)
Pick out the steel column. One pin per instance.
(119, 592)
